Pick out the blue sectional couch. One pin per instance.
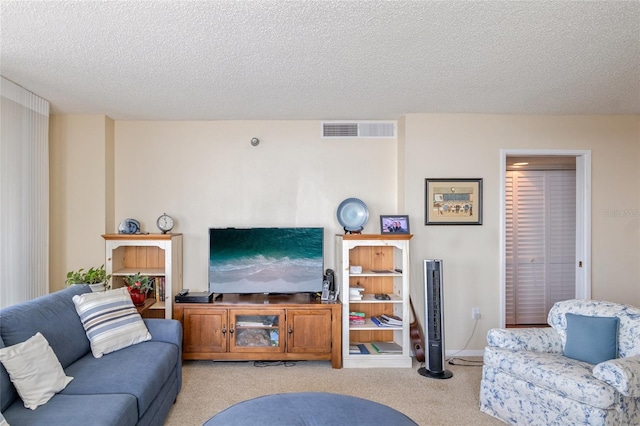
(136, 385)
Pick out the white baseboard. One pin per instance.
(457, 353)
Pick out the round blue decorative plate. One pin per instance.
(353, 214)
(129, 226)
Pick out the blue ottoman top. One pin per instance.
(309, 408)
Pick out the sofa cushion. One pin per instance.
(628, 330)
(7, 391)
(139, 370)
(77, 410)
(525, 339)
(623, 374)
(517, 402)
(557, 373)
(34, 370)
(591, 339)
(48, 315)
(110, 320)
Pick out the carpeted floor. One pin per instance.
(210, 387)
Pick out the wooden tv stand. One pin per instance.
(291, 327)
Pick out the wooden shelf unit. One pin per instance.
(385, 269)
(154, 255)
(283, 328)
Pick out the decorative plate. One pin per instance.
(353, 215)
(129, 226)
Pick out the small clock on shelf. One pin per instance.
(165, 223)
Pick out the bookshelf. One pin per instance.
(157, 255)
(385, 270)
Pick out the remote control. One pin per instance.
(183, 292)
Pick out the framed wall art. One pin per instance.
(394, 224)
(453, 202)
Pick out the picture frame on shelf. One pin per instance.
(394, 224)
(453, 201)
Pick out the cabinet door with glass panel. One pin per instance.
(253, 331)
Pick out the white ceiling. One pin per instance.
(309, 59)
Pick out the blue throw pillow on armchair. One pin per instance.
(591, 339)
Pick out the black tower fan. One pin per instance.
(434, 319)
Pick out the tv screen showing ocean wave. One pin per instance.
(265, 260)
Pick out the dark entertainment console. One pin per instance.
(261, 327)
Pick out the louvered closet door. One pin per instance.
(561, 237)
(540, 243)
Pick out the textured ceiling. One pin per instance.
(226, 60)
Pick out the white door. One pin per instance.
(582, 261)
(540, 243)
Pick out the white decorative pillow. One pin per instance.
(110, 320)
(34, 370)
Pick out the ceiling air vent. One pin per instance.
(359, 129)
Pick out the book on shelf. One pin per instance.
(356, 320)
(158, 287)
(391, 319)
(380, 323)
(249, 324)
(387, 347)
(358, 349)
(357, 314)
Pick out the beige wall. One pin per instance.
(468, 146)
(206, 174)
(79, 170)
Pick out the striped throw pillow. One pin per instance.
(110, 320)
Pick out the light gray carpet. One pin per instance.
(210, 387)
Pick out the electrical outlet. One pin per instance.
(475, 313)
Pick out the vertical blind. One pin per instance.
(24, 194)
(540, 243)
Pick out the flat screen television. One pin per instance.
(265, 260)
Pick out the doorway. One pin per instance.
(579, 262)
(540, 199)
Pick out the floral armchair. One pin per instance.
(549, 376)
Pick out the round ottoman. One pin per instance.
(309, 408)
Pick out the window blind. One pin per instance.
(24, 194)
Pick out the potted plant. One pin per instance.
(138, 286)
(97, 278)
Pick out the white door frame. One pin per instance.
(583, 218)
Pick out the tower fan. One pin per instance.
(434, 320)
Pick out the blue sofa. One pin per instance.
(136, 385)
